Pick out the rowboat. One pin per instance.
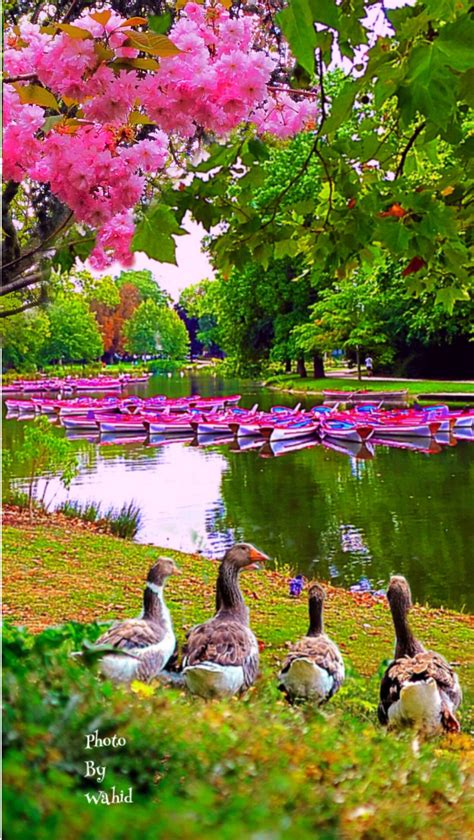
(406, 429)
(168, 425)
(346, 430)
(289, 429)
(120, 423)
(361, 396)
(80, 421)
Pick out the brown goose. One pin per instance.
(221, 655)
(149, 640)
(313, 669)
(419, 689)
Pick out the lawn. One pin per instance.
(290, 382)
(251, 768)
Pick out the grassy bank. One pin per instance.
(290, 382)
(251, 768)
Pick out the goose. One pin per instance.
(148, 642)
(221, 656)
(314, 668)
(419, 688)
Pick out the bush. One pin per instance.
(165, 365)
(126, 522)
(88, 512)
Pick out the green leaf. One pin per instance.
(36, 95)
(154, 234)
(150, 43)
(160, 24)
(341, 108)
(75, 32)
(258, 149)
(50, 122)
(296, 23)
(455, 44)
(135, 64)
(448, 296)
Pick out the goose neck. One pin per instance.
(228, 595)
(406, 644)
(316, 621)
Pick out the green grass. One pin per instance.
(248, 768)
(290, 382)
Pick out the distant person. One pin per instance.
(369, 366)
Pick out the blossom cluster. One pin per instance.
(93, 152)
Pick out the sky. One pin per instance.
(193, 264)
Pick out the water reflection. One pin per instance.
(331, 510)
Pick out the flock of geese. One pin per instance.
(221, 656)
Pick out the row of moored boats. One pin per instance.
(221, 416)
(71, 385)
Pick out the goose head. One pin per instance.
(242, 556)
(316, 598)
(162, 569)
(399, 594)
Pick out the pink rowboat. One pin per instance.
(406, 429)
(288, 430)
(346, 430)
(81, 421)
(120, 423)
(159, 425)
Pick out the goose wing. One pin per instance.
(131, 634)
(423, 666)
(323, 652)
(226, 643)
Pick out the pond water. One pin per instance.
(326, 513)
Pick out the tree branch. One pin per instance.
(5, 313)
(26, 77)
(417, 131)
(21, 283)
(11, 247)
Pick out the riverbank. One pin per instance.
(240, 768)
(421, 389)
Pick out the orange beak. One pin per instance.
(257, 557)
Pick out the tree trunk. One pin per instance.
(287, 365)
(359, 371)
(301, 368)
(318, 367)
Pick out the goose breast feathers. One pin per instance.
(423, 667)
(322, 651)
(225, 643)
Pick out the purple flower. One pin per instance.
(296, 586)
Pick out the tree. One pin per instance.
(44, 453)
(346, 316)
(24, 337)
(93, 119)
(392, 144)
(147, 287)
(74, 334)
(156, 329)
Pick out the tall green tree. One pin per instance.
(24, 338)
(74, 333)
(155, 329)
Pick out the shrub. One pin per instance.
(125, 522)
(44, 453)
(88, 512)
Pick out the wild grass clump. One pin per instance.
(126, 522)
(17, 498)
(88, 512)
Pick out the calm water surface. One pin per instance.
(323, 512)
